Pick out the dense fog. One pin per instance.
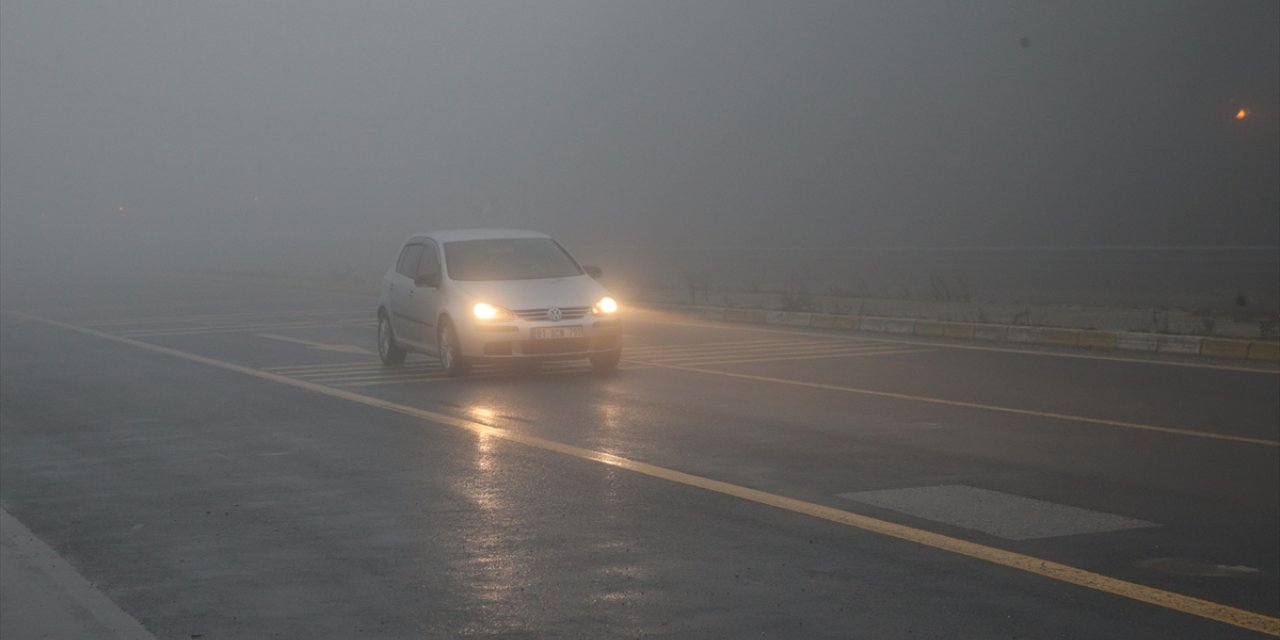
(312, 137)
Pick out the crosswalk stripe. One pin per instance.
(368, 376)
(363, 364)
(436, 378)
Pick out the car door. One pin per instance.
(399, 295)
(426, 298)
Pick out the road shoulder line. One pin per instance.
(46, 597)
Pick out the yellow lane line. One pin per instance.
(969, 347)
(977, 405)
(842, 354)
(1030, 564)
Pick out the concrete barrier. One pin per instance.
(899, 325)
(1221, 348)
(787, 318)
(935, 329)
(1098, 339)
(711, 313)
(873, 323)
(830, 321)
(744, 315)
(1060, 337)
(1023, 334)
(1178, 344)
(1134, 341)
(992, 332)
(1260, 350)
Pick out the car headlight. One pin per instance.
(605, 306)
(486, 311)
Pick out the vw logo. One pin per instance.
(554, 314)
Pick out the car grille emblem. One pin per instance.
(554, 314)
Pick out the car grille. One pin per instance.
(570, 313)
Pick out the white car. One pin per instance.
(490, 295)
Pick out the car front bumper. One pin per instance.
(517, 341)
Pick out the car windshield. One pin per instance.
(508, 259)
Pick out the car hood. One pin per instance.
(574, 291)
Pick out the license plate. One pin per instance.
(540, 333)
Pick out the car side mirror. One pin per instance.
(594, 272)
(427, 280)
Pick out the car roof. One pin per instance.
(456, 235)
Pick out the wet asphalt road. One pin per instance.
(261, 475)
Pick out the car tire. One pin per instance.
(388, 350)
(450, 350)
(606, 362)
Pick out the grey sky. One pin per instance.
(324, 132)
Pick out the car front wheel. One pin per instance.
(388, 350)
(451, 358)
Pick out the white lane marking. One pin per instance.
(749, 351)
(362, 364)
(974, 405)
(340, 348)
(368, 375)
(134, 307)
(214, 319)
(1005, 515)
(714, 346)
(51, 597)
(820, 349)
(795, 347)
(842, 354)
(377, 383)
(243, 328)
(441, 377)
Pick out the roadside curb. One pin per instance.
(1228, 348)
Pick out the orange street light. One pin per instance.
(1242, 114)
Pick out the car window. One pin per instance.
(407, 265)
(508, 259)
(429, 264)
